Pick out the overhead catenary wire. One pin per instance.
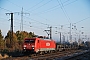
(76, 23)
(54, 8)
(68, 18)
(14, 4)
(44, 24)
(5, 9)
(64, 11)
(38, 3)
(70, 2)
(65, 24)
(34, 20)
(35, 5)
(66, 1)
(25, 21)
(57, 6)
(30, 7)
(82, 20)
(10, 11)
(37, 21)
(27, 9)
(72, 23)
(28, 26)
(41, 5)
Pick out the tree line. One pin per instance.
(18, 39)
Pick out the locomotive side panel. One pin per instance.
(44, 45)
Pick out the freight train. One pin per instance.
(40, 45)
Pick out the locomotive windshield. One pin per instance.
(29, 41)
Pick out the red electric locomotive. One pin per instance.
(38, 45)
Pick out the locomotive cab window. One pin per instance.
(29, 41)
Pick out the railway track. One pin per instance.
(49, 56)
(54, 55)
(80, 56)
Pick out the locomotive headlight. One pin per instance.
(33, 48)
(24, 45)
(32, 45)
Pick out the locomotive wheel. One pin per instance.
(42, 52)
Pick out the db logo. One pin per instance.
(47, 44)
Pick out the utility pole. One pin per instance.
(11, 28)
(64, 40)
(49, 32)
(60, 37)
(22, 13)
(70, 34)
(59, 34)
(22, 19)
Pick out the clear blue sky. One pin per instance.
(44, 13)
